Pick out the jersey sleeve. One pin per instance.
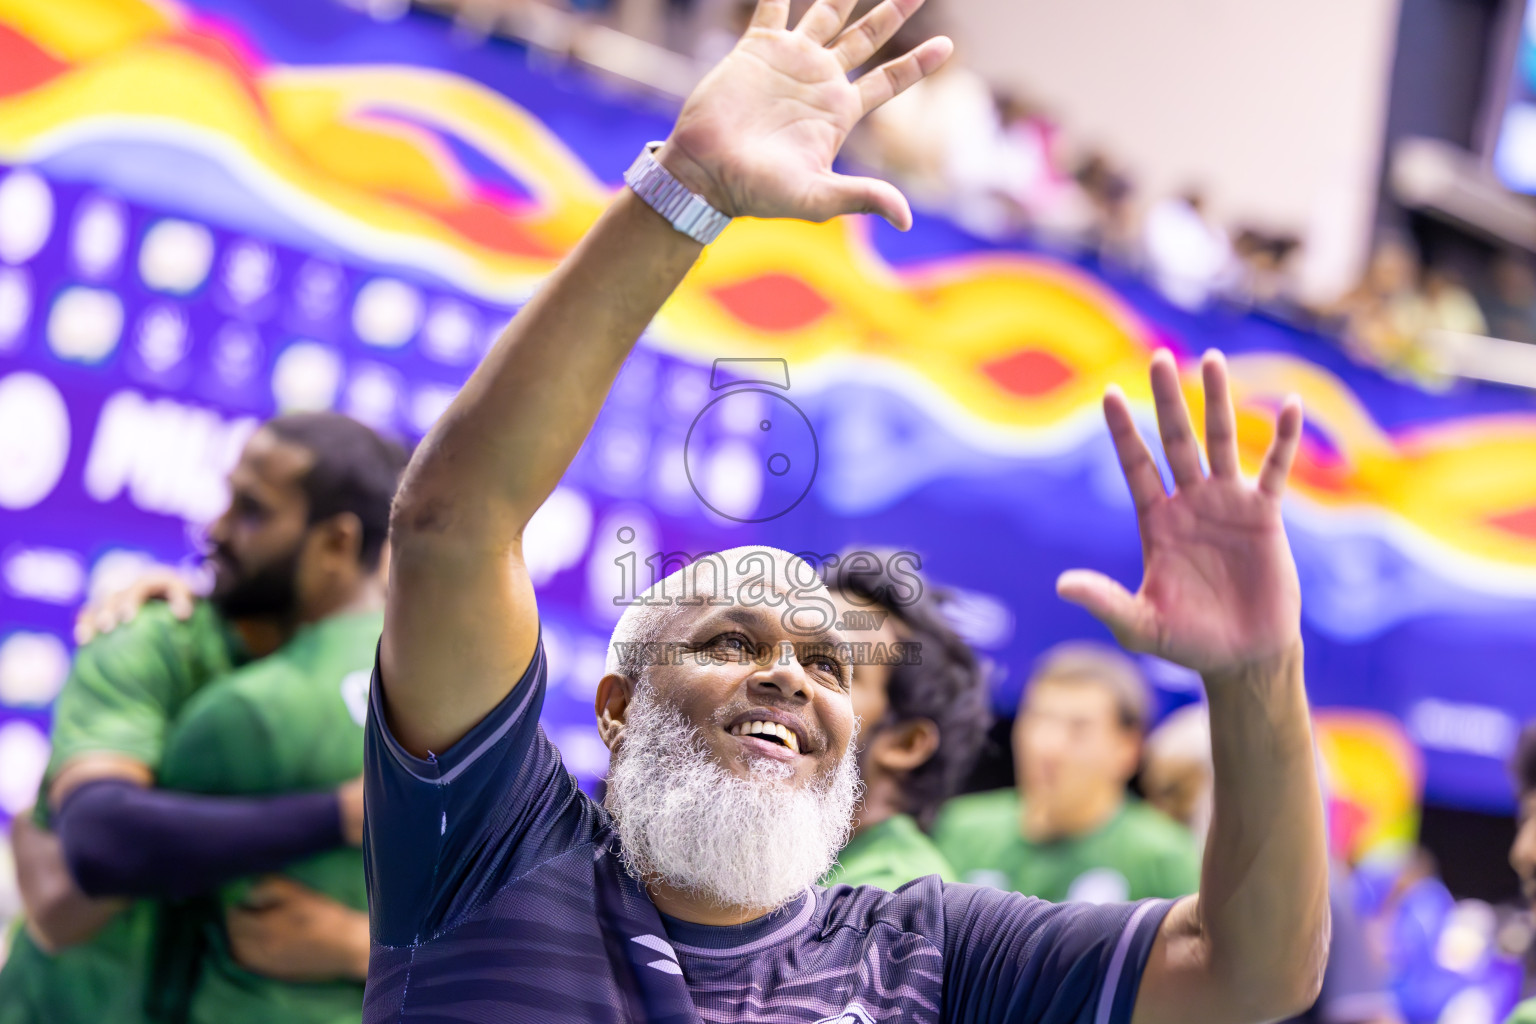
(1015, 959)
(121, 692)
(446, 832)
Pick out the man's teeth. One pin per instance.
(770, 730)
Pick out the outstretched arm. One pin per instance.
(1220, 595)
(756, 138)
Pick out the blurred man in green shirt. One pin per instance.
(290, 722)
(921, 700)
(296, 560)
(122, 690)
(1070, 831)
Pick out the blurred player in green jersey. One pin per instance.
(82, 960)
(290, 722)
(296, 566)
(922, 702)
(1070, 831)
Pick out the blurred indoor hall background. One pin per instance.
(213, 211)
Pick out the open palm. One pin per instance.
(1219, 587)
(758, 136)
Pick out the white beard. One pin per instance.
(689, 822)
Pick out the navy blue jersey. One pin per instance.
(497, 893)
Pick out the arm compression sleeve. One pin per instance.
(124, 840)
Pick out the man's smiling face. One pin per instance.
(757, 690)
(731, 726)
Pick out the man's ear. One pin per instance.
(903, 746)
(341, 536)
(612, 707)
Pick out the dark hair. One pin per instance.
(355, 470)
(1523, 764)
(944, 683)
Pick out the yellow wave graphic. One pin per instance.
(1019, 346)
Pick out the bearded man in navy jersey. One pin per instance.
(499, 892)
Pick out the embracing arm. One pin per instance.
(58, 913)
(122, 839)
(757, 137)
(1220, 595)
(287, 931)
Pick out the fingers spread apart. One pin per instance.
(825, 18)
(872, 31)
(1220, 421)
(897, 76)
(1141, 474)
(1179, 444)
(1178, 434)
(1282, 450)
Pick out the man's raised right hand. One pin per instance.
(756, 138)
(758, 135)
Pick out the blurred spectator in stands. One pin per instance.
(1510, 301)
(1448, 304)
(1385, 315)
(1177, 777)
(1070, 831)
(1176, 770)
(1522, 853)
(922, 721)
(1264, 281)
(1049, 202)
(988, 161)
(1109, 191)
(1188, 257)
(1395, 318)
(942, 141)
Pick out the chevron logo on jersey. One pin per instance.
(662, 946)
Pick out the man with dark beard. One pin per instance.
(499, 891)
(300, 544)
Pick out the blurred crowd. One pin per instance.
(1002, 166)
(1405, 315)
(993, 160)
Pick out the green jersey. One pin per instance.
(888, 855)
(291, 721)
(123, 690)
(1139, 852)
